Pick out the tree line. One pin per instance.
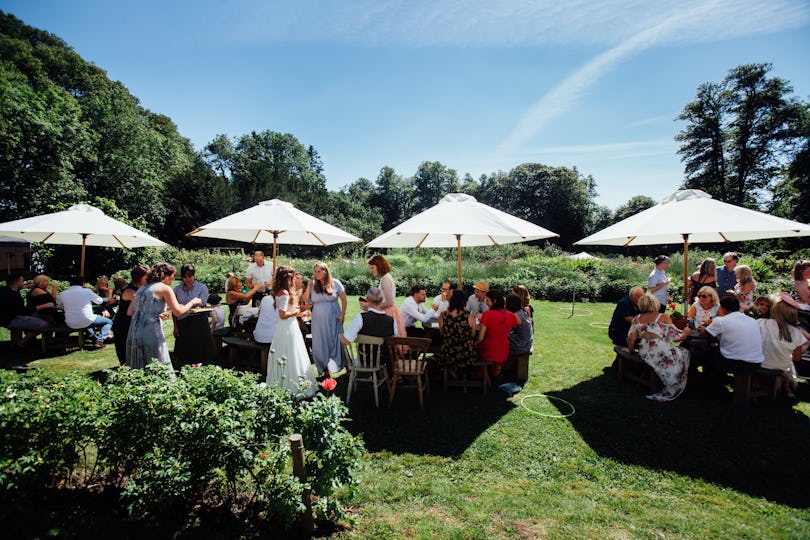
(69, 134)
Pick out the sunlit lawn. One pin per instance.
(620, 466)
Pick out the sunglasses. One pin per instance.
(728, 260)
(703, 296)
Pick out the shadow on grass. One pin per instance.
(450, 423)
(758, 451)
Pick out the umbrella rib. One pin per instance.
(628, 241)
(123, 245)
(422, 240)
(255, 236)
(47, 237)
(494, 243)
(317, 238)
(723, 236)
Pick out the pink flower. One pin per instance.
(196, 365)
(329, 384)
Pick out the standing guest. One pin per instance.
(78, 302)
(745, 287)
(39, 294)
(654, 331)
(704, 310)
(521, 338)
(217, 313)
(192, 332)
(259, 277)
(477, 302)
(493, 333)
(726, 278)
(781, 340)
(146, 342)
(267, 321)
(298, 289)
(658, 282)
(289, 367)
(14, 315)
(740, 341)
(763, 306)
(706, 274)
(122, 320)
(458, 346)
(328, 300)
(624, 312)
(234, 297)
(442, 300)
(526, 299)
(413, 309)
(380, 268)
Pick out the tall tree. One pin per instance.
(431, 182)
(392, 197)
(738, 134)
(636, 204)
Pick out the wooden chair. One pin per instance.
(364, 364)
(408, 360)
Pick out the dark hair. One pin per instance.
(496, 296)
(160, 271)
(187, 270)
(13, 277)
(282, 279)
(730, 303)
(381, 263)
(76, 280)
(661, 258)
(214, 299)
(458, 301)
(416, 288)
(514, 303)
(138, 271)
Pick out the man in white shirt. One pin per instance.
(78, 301)
(658, 282)
(261, 274)
(372, 322)
(476, 303)
(740, 341)
(442, 300)
(413, 309)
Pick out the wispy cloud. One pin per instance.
(624, 150)
(661, 118)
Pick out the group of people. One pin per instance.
(750, 331)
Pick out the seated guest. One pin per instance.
(217, 313)
(234, 297)
(623, 313)
(705, 275)
(39, 294)
(78, 302)
(782, 339)
(745, 287)
(442, 300)
(763, 306)
(372, 322)
(654, 332)
(493, 333)
(413, 309)
(801, 284)
(267, 321)
(104, 290)
(477, 302)
(740, 341)
(704, 310)
(458, 347)
(523, 293)
(521, 337)
(14, 315)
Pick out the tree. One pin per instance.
(636, 204)
(738, 134)
(792, 195)
(431, 182)
(392, 198)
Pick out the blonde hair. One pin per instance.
(744, 274)
(786, 316)
(233, 284)
(711, 291)
(41, 281)
(648, 303)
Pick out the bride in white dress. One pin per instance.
(289, 365)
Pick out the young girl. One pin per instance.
(217, 313)
(289, 364)
(780, 338)
(763, 305)
(745, 287)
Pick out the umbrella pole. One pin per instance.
(84, 245)
(685, 272)
(275, 249)
(458, 244)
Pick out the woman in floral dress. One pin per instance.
(653, 331)
(458, 347)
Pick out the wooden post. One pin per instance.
(300, 471)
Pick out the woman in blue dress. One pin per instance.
(327, 299)
(145, 342)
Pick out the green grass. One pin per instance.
(475, 466)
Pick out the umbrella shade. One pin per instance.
(274, 222)
(80, 225)
(458, 220)
(691, 215)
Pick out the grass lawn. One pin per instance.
(620, 466)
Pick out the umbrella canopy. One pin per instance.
(80, 225)
(458, 220)
(276, 222)
(581, 256)
(691, 215)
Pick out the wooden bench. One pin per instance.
(57, 338)
(750, 386)
(235, 344)
(633, 368)
(519, 364)
(465, 382)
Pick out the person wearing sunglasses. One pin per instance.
(704, 309)
(726, 277)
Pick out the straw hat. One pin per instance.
(481, 286)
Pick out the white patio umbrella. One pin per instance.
(80, 225)
(581, 256)
(274, 221)
(693, 216)
(458, 220)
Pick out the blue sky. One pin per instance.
(480, 86)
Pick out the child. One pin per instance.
(763, 306)
(217, 313)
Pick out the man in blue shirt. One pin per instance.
(625, 310)
(726, 278)
(193, 342)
